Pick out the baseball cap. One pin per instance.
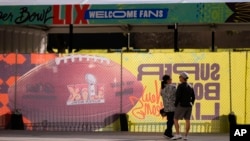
(184, 75)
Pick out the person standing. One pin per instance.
(185, 98)
(168, 97)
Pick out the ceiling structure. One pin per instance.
(135, 28)
(118, 28)
(188, 32)
(63, 2)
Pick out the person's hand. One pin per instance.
(163, 113)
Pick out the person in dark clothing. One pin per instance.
(184, 101)
(168, 97)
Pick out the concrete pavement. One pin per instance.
(21, 135)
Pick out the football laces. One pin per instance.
(73, 58)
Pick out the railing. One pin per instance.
(64, 126)
(161, 126)
(98, 127)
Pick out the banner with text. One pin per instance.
(94, 87)
(125, 14)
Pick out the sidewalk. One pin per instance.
(20, 135)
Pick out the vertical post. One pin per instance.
(128, 29)
(70, 48)
(122, 116)
(230, 82)
(176, 49)
(121, 81)
(128, 41)
(213, 48)
(246, 74)
(15, 93)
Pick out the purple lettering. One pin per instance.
(198, 111)
(168, 69)
(191, 68)
(146, 69)
(215, 115)
(198, 115)
(205, 71)
(198, 90)
(214, 73)
(212, 91)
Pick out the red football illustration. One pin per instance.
(76, 88)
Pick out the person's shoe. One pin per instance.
(176, 137)
(168, 136)
(185, 138)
